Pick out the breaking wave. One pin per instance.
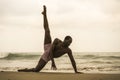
(15, 56)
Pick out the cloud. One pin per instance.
(108, 6)
(19, 7)
(95, 23)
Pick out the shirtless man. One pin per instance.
(52, 50)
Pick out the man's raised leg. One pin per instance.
(47, 38)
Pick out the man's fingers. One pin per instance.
(79, 72)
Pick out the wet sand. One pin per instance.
(56, 76)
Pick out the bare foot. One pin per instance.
(79, 72)
(44, 10)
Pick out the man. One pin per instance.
(52, 50)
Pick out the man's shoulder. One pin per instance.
(57, 40)
(68, 50)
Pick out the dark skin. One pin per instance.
(58, 48)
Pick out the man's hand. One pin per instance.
(79, 72)
(53, 67)
(44, 10)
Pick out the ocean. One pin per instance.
(87, 62)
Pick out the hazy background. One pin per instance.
(93, 24)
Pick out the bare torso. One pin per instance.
(59, 50)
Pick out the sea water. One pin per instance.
(87, 62)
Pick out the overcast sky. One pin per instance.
(93, 24)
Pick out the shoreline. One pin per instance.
(56, 76)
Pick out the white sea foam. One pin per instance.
(86, 62)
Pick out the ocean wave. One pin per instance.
(2, 55)
(96, 57)
(100, 68)
(14, 56)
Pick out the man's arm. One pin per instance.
(72, 60)
(53, 65)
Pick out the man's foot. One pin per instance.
(26, 70)
(44, 10)
(22, 70)
(79, 72)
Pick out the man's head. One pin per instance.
(67, 41)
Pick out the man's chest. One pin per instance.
(59, 49)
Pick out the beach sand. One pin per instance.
(56, 76)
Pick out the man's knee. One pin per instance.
(47, 31)
(48, 37)
(36, 70)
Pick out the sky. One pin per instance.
(93, 24)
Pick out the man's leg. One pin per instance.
(47, 38)
(39, 67)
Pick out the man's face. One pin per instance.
(67, 42)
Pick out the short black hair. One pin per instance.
(68, 37)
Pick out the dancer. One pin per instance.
(52, 50)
